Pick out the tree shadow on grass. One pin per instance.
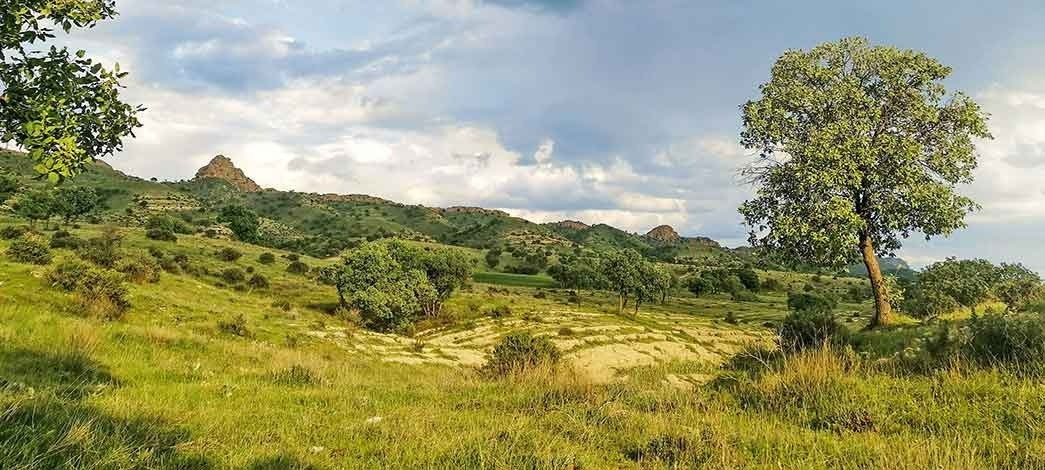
(45, 422)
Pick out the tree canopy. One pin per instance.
(61, 106)
(858, 147)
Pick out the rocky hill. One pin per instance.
(664, 234)
(222, 168)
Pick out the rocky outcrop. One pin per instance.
(474, 210)
(664, 234)
(572, 225)
(222, 168)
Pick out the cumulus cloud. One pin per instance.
(598, 110)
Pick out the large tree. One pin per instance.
(63, 108)
(858, 146)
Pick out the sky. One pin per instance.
(605, 111)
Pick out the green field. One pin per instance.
(676, 386)
(518, 280)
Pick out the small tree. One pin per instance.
(621, 271)
(493, 257)
(578, 273)
(35, 205)
(1016, 285)
(858, 147)
(242, 221)
(446, 270)
(968, 282)
(9, 185)
(73, 202)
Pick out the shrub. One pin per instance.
(500, 311)
(102, 293)
(731, 318)
(519, 352)
(30, 249)
(63, 239)
(803, 329)
(12, 232)
(236, 326)
(744, 296)
(292, 257)
(749, 278)
(67, 273)
(168, 224)
(772, 285)
(233, 275)
(298, 267)
(997, 340)
(169, 265)
(810, 303)
(700, 286)
(156, 252)
(229, 254)
(182, 259)
(161, 235)
(103, 250)
(140, 269)
(258, 281)
(267, 258)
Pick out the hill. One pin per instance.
(325, 224)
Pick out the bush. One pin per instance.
(12, 232)
(749, 278)
(772, 285)
(161, 235)
(500, 311)
(803, 329)
(292, 257)
(67, 273)
(228, 254)
(744, 296)
(102, 293)
(810, 303)
(700, 286)
(30, 249)
(168, 224)
(103, 250)
(169, 265)
(140, 269)
(997, 340)
(236, 326)
(233, 275)
(298, 267)
(519, 352)
(267, 258)
(63, 239)
(258, 281)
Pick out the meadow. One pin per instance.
(690, 383)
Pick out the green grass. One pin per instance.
(167, 388)
(516, 280)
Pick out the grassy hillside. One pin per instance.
(324, 225)
(685, 384)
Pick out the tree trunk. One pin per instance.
(883, 312)
(620, 305)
